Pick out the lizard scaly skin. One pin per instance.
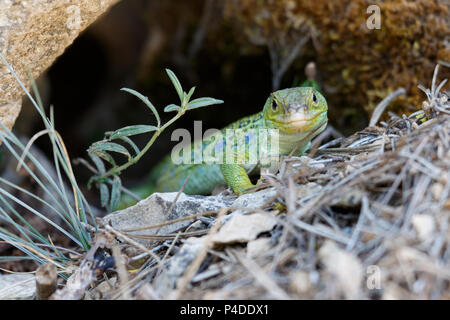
(298, 114)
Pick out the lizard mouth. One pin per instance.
(300, 122)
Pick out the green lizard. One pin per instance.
(298, 114)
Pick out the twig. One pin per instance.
(46, 277)
(280, 67)
(121, 270)
(383, 104)
(132, 242)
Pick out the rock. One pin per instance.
(244, 228)
(424, 225)
(9, 112)
(393, 292)
(17, 286)
(254, 200)
(154, 210)
(342, 268)
(436, 191)
(258, 247)
(32, 35)
(300, 282)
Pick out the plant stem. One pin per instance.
(135, 159)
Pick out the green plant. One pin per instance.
(100, 151)
(71, 208)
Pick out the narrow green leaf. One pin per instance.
(131, 143)
(98, 163)
(176, 83)
(172, 107)
(203, 102)
(105, 156)
(146, 101)
(115, 193)
(132, 131)
(35, 90)
(189, 95)
(109, 146)
(91, 181)
(104, 194)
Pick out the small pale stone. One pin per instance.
(342, 267)
(300, 282)
(258, 247)
(392, 292)
(409, 255)
(436, 191)
(424, 226)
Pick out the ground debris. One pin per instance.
(367, 225)
(365, 217)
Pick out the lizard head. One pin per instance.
(293, 110)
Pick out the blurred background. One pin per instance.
(237, 51)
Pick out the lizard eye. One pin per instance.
(314, 98)
(274, 106)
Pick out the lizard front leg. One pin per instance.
(236, 177)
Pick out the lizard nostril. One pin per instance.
(302, 108)
(297, 107)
